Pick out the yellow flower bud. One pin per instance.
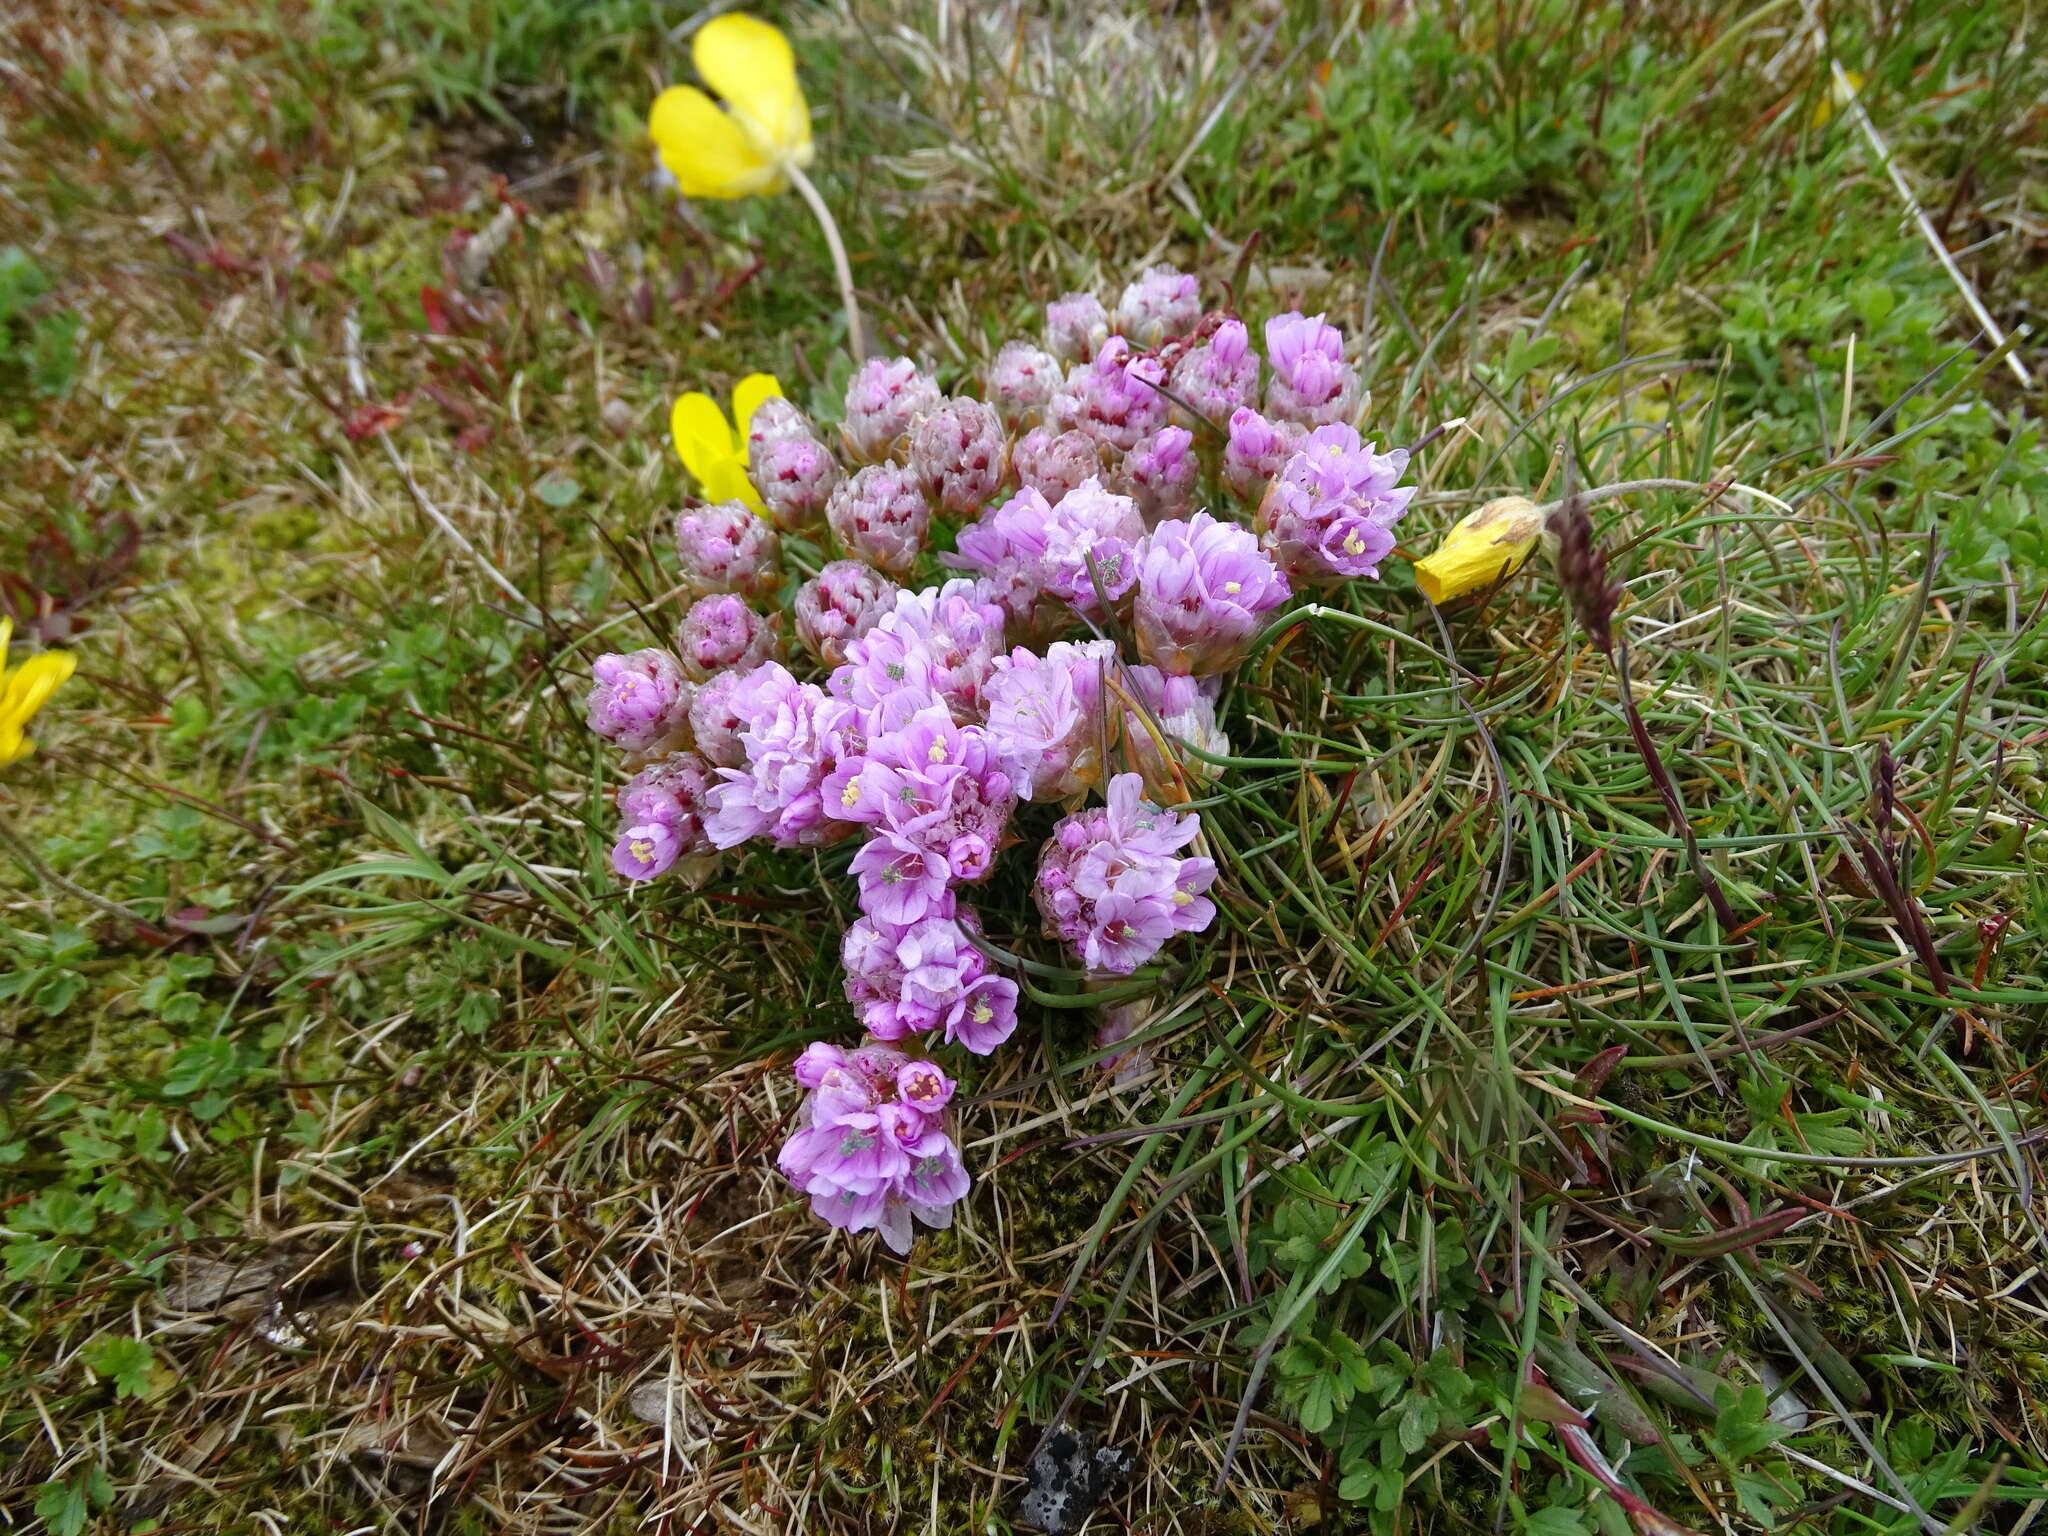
(1480, 549)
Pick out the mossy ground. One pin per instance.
(374, 1162)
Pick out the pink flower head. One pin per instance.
(794, 737)
(1029, 550)
(669, 792)
(1221, 374)
(1160, 473)
(888, 676)
(721, 632)
(796, 476)
(1112, 398)
(960, 454)
(1330, 515)
(922, 1086)
(905, 978)
(841, 603)
(1112, 884)
(1075, 325)
(985, 1016)
(1095, 526)
(870, 1147)
(884, 398)
(957, 627)
(1258, 450)
(1045, 718)
(1176, 712)
(725, 548)
(1162, 303)
(774, 420)
(645, 850)
(901, 881)
(1204, 589)
(1311, 383)
(820, 1060)
(1006, 545)
(714, 724)
(1055, 463)
(880, 515)
(1021, 382)
(931, 785)
(639, 701)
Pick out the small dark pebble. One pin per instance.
(1069, 1475)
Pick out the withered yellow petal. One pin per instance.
(709, 152)
(749, 63)
(1480, 549)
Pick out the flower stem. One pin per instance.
(854, 338)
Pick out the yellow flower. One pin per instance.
(1480, 549)
(1842, 89)
(23, 691)
(714, 449)
(764, 128)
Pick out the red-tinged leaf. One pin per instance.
(472, 439)
(1593, 1076)
(1586, 1452)
(1709, 1245)
(434, 305)
(465, 414)
(371, 418)
(1541, 1405)
(734, 282)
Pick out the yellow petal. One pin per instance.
(729, 482)
(748, 62)
(25, 688)
(1480, 549)
(1841, 91)
(703, 437)
(709, 152)
(747, 396)
(13, 745)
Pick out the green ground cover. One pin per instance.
(369, 1159)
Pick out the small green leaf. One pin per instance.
(1555, 1521)
(57, 994)
(124, 1361)
(557, 490)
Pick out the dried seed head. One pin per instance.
(1582, 572)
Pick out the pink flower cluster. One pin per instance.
(1076, 491)
(1330, 513)
(1112, 884)
(871, 1148)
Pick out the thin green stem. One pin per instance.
(856, 339)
